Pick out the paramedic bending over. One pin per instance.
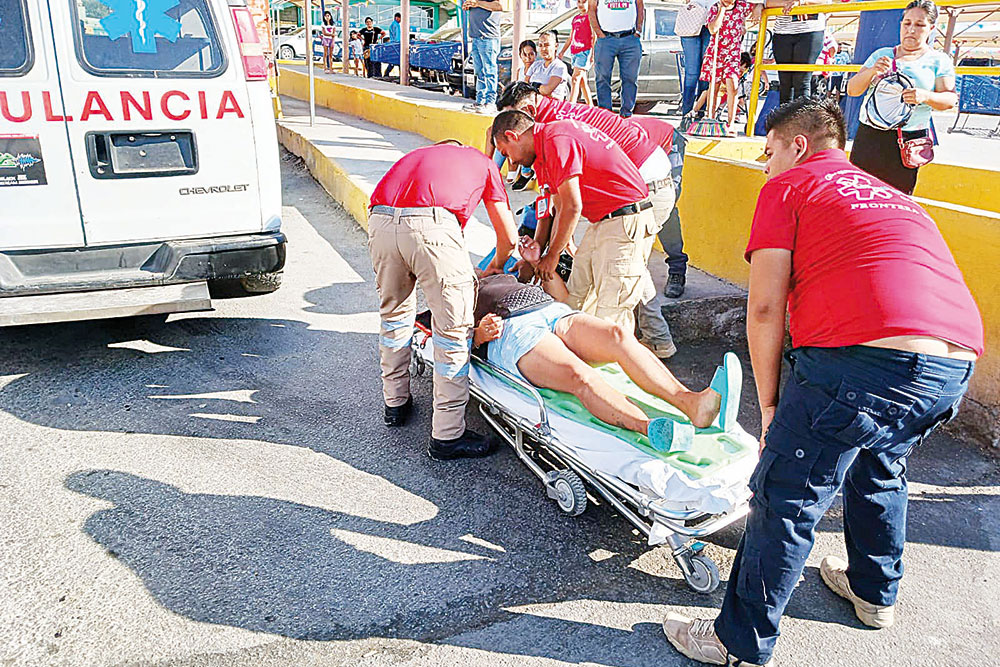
(884, 337)
(552, 346)
(415, 235)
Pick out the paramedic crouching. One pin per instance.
(415, 235)
(591, 177)
(884, 338)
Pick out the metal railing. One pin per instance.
(837, 8)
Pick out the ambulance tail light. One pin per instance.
(251, 48)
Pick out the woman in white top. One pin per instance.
(550, 73)
(798, 40)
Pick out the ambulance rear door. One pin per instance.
(38, 202)
(160, 127)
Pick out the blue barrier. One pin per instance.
(385, 53)
(434, 56)
(977, 95)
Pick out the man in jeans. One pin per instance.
(617, 24)
(885, 335)
(484, 31)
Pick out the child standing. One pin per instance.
(357, 47)
(326, 39)
(580, 45)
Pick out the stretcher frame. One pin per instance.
(567, 478)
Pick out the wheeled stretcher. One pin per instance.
(672, 498)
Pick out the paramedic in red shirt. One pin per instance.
(884, 338)
(591, 177)
(415, 235)
(646, 153)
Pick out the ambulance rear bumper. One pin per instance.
(36, 272)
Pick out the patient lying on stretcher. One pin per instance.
(545, 342)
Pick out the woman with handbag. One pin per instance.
(904, 85)
(692, 27)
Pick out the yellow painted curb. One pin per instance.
(330, 175)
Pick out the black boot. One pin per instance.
(398, 415)
(675, 285)
(469, 445)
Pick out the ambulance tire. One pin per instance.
(249, 285)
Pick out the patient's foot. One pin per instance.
(728, 383)
(707, 408)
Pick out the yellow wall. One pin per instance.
(389, 110)
(716, 229)
(965, 186)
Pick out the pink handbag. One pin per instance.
(915, 153)
(691, 18)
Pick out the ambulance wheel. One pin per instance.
(704, 575)
(571, 494)
(248, 285)
(286, 52)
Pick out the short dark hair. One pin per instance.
(368, 18)
(929, 7)
(746, 59)
(511, 120)
(528, 42)
(446, 142)
(397, 15)
(822, 122)
(514, 94)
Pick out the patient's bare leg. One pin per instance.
(596, 342)
(552, 365)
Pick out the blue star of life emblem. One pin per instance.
(143, 20)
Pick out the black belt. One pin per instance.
(631, 209)
(621, 33)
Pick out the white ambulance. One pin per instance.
(139, 167)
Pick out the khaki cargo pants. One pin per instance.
(609, 268)
(429, 250)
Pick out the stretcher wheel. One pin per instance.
(702, 575)
(417, 363)
(570, 493)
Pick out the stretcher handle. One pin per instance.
(543, 414)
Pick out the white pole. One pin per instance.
(404, 44)
(309, 60)
(520, 9)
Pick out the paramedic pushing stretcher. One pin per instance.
(884, 338)
(590, 176)
(415, 235)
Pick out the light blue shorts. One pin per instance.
(580, 59)
(522, 333)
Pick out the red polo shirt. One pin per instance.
(608, 179)
(637, 146)
(867, 261)
(455, 178)
(659, 131)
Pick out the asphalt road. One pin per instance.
(219, 490)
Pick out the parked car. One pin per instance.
(659, 70)
(293, 45)
(150, 182)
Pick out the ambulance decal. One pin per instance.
(143, 21)
(21, 160)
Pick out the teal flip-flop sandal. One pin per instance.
(668, 437)
(728, 383)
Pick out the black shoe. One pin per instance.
(521, 183)
(675, 285)
(398, 415)
(469, 445)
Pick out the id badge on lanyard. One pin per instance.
(542, 205)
